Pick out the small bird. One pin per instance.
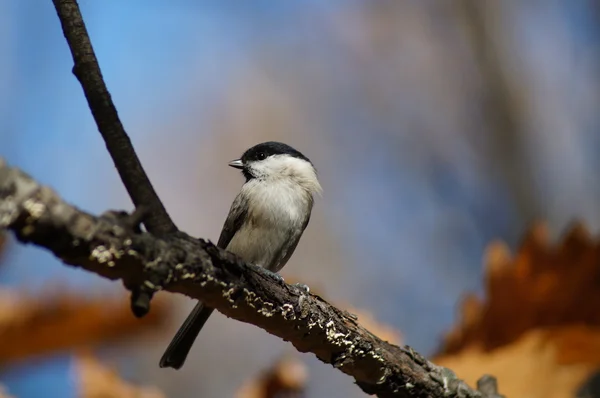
(264, 225)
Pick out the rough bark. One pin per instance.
(112, 246)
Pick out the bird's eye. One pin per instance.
(261, 156)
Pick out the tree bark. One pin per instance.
(112, 246)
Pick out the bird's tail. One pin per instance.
(177, 351)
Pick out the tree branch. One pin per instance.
(110, 246)
(87, 71)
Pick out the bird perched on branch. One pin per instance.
(264, 225)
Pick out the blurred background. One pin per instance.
(436, 127)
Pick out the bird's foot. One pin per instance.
(280, 279)
(271, 274)
(302, 286)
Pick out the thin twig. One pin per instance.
(87, 71)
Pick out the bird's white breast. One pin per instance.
(277, 215)
(276, 202)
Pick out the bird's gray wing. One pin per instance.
(234, 221)
(284, 256)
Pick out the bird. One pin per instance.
(264, 225)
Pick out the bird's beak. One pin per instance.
(237, 164)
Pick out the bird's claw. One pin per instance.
(271, 274)
(280, 279)
(302, 286)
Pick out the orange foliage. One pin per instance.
(34, 326)
(288, 375)
(98, 381)
(542, 286)
(524, 368)
(538, 329)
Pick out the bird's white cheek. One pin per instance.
(260, 169)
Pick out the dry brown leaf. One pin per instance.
(541, 286)
(538, 328)
(59, 321)
(577, 344)
(287, 377)
(96, 380)
(529, 367)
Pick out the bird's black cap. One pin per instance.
(270, 148)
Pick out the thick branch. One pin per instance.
(87, 71)
(108, 246)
